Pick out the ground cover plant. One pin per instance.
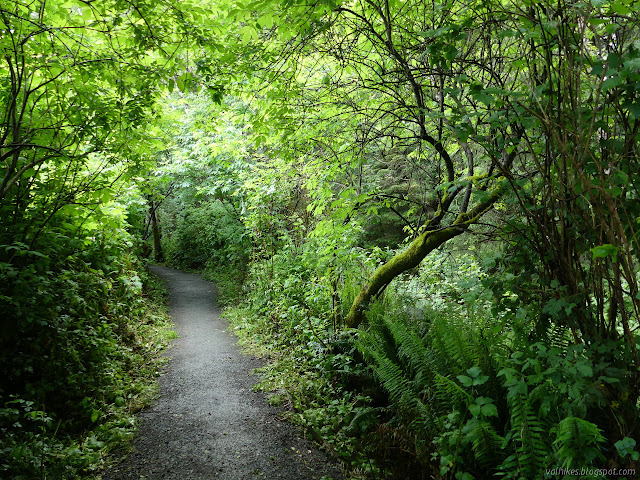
(79, 332)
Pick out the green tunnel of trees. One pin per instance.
(425, 214)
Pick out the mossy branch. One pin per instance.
(421, 246)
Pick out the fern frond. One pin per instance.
(543, 393)
(558, 336)
(450, 394)
(451, 341)
(527, 430)
(393, 379)
(485, 441)
(405, 375)
(399, 344)
(411, 348)
(425, 418)
(578, 442)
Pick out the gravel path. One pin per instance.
(208, 423)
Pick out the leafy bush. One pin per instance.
(78, 359)
(446, 380)
(207, 235)
(461, 401)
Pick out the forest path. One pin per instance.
(208, 423)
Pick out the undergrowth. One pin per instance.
(69, 396)
(439, 383)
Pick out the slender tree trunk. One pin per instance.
(411, 257)
(155, 230)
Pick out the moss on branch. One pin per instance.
(423, 244)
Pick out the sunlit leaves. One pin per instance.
(81, 82)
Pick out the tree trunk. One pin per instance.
(155, 230)
(411, 257)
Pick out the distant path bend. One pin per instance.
(208, 423)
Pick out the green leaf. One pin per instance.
(474, 371)
(611, 82)
(634, 110)
(184, 82)
(489, 410)
(485, 98)
(620, 8)
(625, 446)
(585, 370)
(247, 34)
(436, 33)
(95, 414)
(481, 195)
(609, 379)
(606, 250)
(451, 53)
(106, 195)
(267, 21)
(480, 380)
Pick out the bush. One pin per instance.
(207, 234)
(77, 361)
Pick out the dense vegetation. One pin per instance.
(425, 214)
(81, 323)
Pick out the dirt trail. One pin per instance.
(208, 423)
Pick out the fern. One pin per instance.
(527, 431)
(558, 336)
(453, 344)
(402, 363)
(578, 442)
(399, 359)
(545, 394)
(485, 441)
(425, 418)
(393, 379)
(410, 347)
(419, 378)
(451, 395)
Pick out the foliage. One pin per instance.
(79, 80)
(207, 234)
(485, 411)
(447, 114)
(77, 335)
(80, 361)
(449, 96)
(290, 315)
(324, 160)
(466, 392)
